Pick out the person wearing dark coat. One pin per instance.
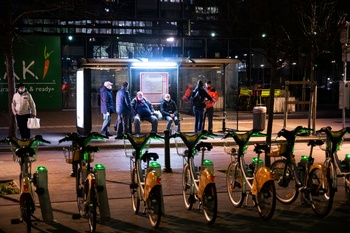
(199, 108)
(106, 106)
(123, 109)
(143, 110)
(169, 112)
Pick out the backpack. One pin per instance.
(195, 98)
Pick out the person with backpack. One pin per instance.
(198, 97)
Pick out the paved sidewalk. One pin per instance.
(56, 124)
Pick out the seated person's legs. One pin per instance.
(170, 120)
(154, 121)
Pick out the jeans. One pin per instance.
(151, 119)
(198, 118)
(170, 121)
(106, 123)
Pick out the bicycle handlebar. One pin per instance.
(243, 138)
(334, 136)
(81, 140)
(139, 141)
(291, 134)
(192, 139)
(18, 143)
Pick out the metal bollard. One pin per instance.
(167, 167)
(100, 171)
(43, 193)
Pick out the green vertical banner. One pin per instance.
(37, 64)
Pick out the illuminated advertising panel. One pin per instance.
(154, 85)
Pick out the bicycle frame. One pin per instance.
(332, 161)
(146, 181)
(202, 186)
(261, 175)
(25, 155)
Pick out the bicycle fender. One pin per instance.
(263, 175)
(152, 180)
(205, 179)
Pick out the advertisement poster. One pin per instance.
(37, 64)
(154, 85)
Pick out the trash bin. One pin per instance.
(259, 117)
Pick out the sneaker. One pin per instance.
(119, 137)
(108, 134)
(72, 174)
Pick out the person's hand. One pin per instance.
(107, 113)
(33, 116)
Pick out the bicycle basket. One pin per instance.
(278, 149)
(70, 155)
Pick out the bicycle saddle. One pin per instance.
(201, 145)
(147, 156)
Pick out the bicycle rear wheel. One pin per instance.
(92, 210)
(187, 187)
(234, 183)
(266, 200)
(286, 189)
(134, 188)
(154, 206)
(210, 203)
(321, 192)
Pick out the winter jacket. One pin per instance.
(106, 100)
(23, 104)
(143, 107)
(168, 107)
(203, 94)
(214, 94)
(122, 101)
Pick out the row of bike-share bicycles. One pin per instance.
(284, 180)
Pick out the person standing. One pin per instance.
(143, 111)
(106, 106)
(198, 97)
(169, 112)
(65, 93)
(123, 109)
(209, 113)
(23, 107)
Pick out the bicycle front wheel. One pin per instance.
(187, 187)
(154, 206)
(234, 183)
(80, 189)
(321, 192)
(92, 210)
(134, 188)
(27, 212)
(286, 188)
(266, 200)
(347, 188)
(210, 203)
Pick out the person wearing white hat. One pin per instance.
(107, 107)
